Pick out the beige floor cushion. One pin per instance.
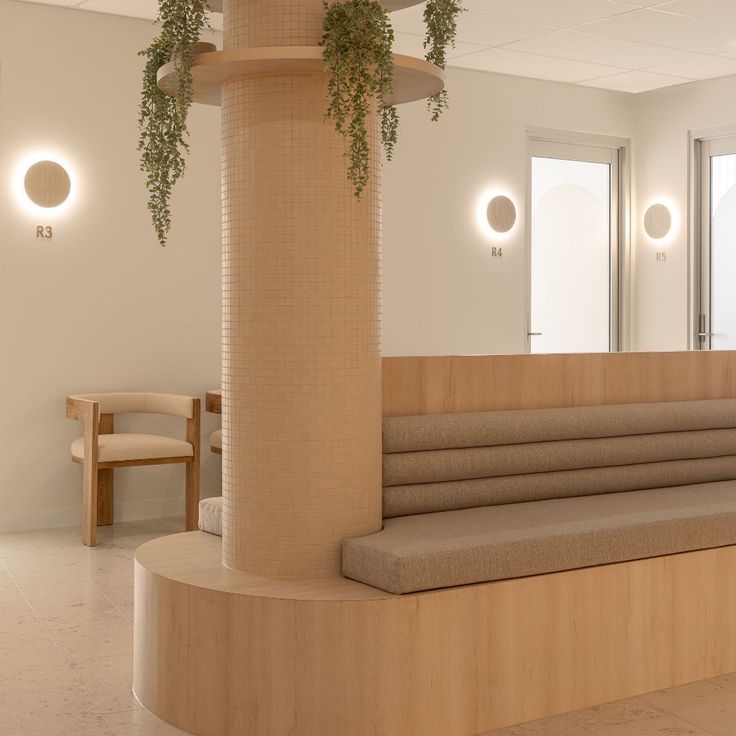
(210, 515)
(216, 439)
(439, 550)
(115, 448)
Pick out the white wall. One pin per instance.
(443, 293)
(663, 121)
(101, 306)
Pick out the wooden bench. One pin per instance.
(335, 656)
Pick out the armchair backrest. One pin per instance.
(142, 403)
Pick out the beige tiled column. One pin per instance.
(301, 315)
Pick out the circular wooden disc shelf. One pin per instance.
(414, 79)
(391, 5)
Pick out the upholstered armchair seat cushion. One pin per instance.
(115, 448)
(216, 439)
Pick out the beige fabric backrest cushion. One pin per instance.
(451, 431)
(143, 403)
(423, 498)
(456, 461)
(543, 457)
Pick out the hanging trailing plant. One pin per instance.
(357, 45)
(440, 17)
(163, 119)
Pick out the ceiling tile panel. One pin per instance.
(560, 14)
(516, 63)
(667, 29)
(598, 49)
(698, 66)
(474, 28)
(491, 31)
(635, 82)
(723, 11)
(411, 45)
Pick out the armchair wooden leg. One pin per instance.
(192, 496)
(89, 504)
(105, 497)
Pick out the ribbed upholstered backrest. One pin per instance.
(454, 461)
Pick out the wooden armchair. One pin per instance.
(100, 450)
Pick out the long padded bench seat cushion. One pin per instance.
(484, 429)
(115, 448)
(439, 550)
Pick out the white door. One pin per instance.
(573, 253)
(716, 324)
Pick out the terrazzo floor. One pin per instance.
(66, 651)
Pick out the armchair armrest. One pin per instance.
(88, 412)
(81, 409)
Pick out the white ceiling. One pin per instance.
(626, 45)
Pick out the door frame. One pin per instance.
(621, 289)
(699, 230)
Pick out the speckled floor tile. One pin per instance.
(81, 724)
(556, 726)
(711, 707)
(98, 637)
(66, 651)
(140, 723)
(114, 669)
(111, 698)
(46, 702)
(634, 717)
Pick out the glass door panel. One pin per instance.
(722, 252)
(571, 257)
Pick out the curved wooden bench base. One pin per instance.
(219, 653)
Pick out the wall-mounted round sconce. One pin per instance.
(501, 214)
(47, 184)
(658, 221)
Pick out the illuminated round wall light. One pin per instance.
(501, 214)
(47, 184)
(496, 215)
(658, 221)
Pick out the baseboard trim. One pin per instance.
(62, 516)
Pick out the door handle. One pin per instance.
(706, 334)
(534, 334)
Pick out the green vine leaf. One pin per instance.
(440, 17)
(356, 46)
(162, 120)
